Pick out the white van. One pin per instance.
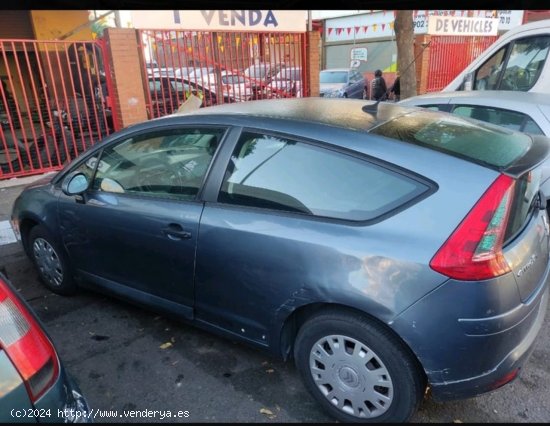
(518, 60)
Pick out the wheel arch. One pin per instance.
(25, 225)
(298, 317)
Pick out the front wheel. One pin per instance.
(358, 370)
(50, 261)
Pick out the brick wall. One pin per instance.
(422, 62)
(124, 55)
(313, 58)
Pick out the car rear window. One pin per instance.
(477, 142)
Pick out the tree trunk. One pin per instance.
(404, 34)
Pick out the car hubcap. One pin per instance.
(48, 262)
(351, 376)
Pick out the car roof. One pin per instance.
(344, 113)
(500, 98)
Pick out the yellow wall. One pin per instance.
(51, 24)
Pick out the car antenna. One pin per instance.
(371, 108)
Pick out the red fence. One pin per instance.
(54, 103)
(449, 55)
(221, 67)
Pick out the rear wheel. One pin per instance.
(50, 261)
(358, 370)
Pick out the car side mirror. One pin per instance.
(75, 183)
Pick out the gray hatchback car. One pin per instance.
(385, 249)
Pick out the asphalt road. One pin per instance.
(127, 358)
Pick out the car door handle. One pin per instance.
(175, 231)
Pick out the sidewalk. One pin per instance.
(9, 191)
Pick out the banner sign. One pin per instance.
(462, 26)
(221, 20)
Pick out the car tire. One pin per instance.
(51, 263)
(330, 352)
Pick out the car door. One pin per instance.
(277, 226)
(134, 231)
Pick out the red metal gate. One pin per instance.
(54, 103)
(449, 55)
(221, 67)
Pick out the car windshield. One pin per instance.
(334, 76)
(477, 142)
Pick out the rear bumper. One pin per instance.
(506, 369)
(466, 351)
(64, 402)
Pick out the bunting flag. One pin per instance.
(415, 14)
(356, 29)
(237, 41)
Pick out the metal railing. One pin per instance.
(449, 55)
(54, 103)
(220, 67)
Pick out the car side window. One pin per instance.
(531, 127)
(433, 107)
(510, 119)
(488, 74)
(277, 173)
(166, 163)
(519, 71)
(525, 63)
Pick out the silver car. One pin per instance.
(526, 112)
(342, 83)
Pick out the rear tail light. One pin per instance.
(474, 250)
(23, 340)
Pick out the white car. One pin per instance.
(233, 85)
(287, 83)
(526, 112)
(518, 60)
